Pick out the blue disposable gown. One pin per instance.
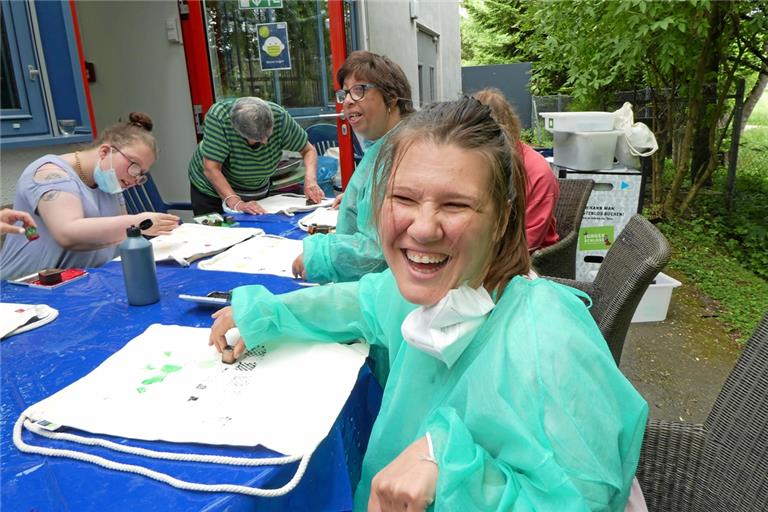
(353, 250)
(534, 415)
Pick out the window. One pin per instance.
(307, 87)
(23, 106)
(41, 81)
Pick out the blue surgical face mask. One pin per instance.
(106, 179)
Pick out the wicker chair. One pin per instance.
(722, 465)
(633, 261)
(559, 259)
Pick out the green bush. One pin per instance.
(726, 252)
(741, 296)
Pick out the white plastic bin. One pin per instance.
(585, 151)
(578, 121)
(655, 303)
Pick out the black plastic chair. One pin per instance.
(722, 465)
(559, 259)
(146, 198)
(636, 257)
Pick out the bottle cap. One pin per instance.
(133, 231)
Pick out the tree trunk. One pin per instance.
(714, 142)
(754, 96)
(701, 151)
(695, 105)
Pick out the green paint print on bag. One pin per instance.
(166, 370)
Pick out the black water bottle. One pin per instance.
(139, 268)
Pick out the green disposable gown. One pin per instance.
(353, 250)
(534, 415)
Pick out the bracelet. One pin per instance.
(428, 458)
(237, 203)
(230, 195)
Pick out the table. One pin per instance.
(94, 321)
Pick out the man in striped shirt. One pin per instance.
(243, 140)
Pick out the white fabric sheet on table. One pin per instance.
(168, 384)
(321, 217)
(190, 242)
(18, 318)
(289, 204)
(266, 254)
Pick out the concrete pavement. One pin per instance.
(680, 364)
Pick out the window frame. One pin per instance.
(31, 118)
(50, 40)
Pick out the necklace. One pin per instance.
(79, 167)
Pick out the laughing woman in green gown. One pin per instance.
(502, 394)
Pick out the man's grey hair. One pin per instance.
(252, 118)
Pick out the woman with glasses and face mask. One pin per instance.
(503, 394)
(376, 96)
(77, 203)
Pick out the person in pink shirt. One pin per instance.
(541, 187)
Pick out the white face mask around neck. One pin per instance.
(445, 329)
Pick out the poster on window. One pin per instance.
(274, 53)
(261, 4)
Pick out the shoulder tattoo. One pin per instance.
(48, 176)
(50, 195)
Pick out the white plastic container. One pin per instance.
(585, 151)
(578, 121)
(655, 303)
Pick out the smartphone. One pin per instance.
(67, 276)
(212, 299)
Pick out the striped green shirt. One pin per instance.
(246, 169)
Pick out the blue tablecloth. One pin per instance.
(95, 320)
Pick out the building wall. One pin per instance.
(386, 27)
(442, 17)
(137, 69)
(14, 161)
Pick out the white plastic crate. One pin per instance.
(585, 151)
(654, 305)
(578, 121)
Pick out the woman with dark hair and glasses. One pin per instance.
(75, 199)
(375, 95)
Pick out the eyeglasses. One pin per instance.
(356, 92)
(259, 141)
(134, 169)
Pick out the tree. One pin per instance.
(485, 35)
(687, 53)
(755, 93)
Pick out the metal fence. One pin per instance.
(753, 155)
(539, 104)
